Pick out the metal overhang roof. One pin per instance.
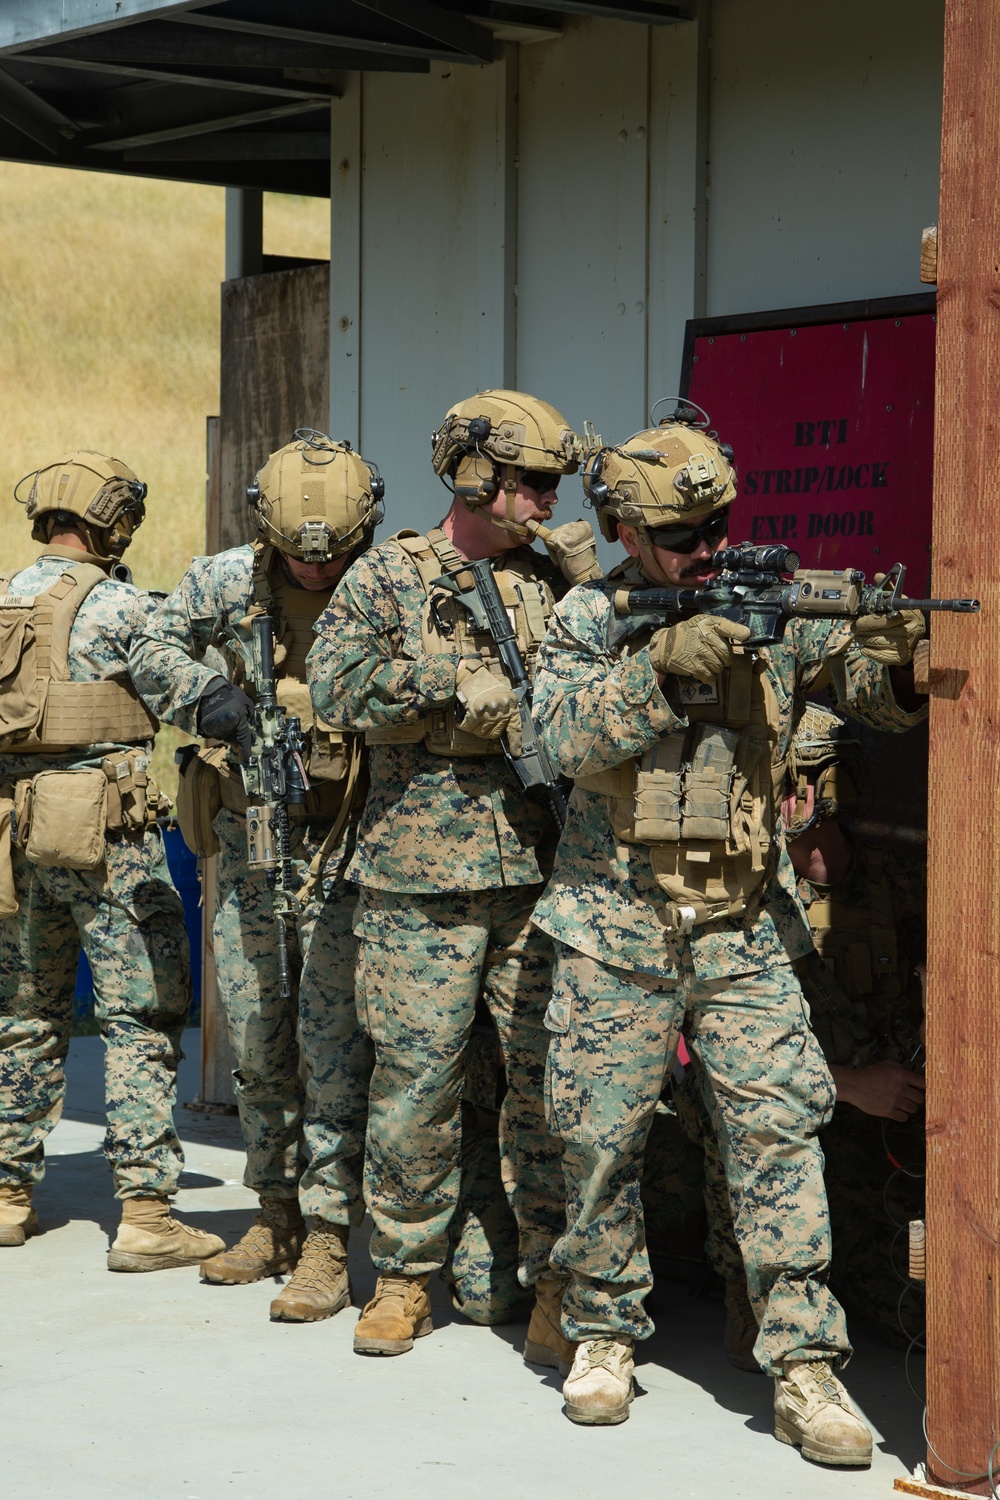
(235, 92)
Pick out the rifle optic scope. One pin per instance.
(759, 559)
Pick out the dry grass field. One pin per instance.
(109, 339)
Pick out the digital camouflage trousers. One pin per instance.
(425, 962)
(129, 919)
(874, 1175)
(480, 1265)
(768, 1090)
(301, 1139)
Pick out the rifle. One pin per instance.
(274, 776)
(475, 588)
(754, 590)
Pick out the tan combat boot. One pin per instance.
(812, 1411)
(271, 1246)
(320, 1287)
(544, 1343)
(598, 1390)
(399, 1312)
(18, 1220)
(741, 1327)
(149, 1239)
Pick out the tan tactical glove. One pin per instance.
(489, 703)
(889, 639)
(699, 647)
(574, 551)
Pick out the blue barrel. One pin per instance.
(184, 870)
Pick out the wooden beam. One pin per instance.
(161, 44)
(312, 39)
(240, 145)
(963, 906)
(141, 117)
(448, 26)
(647, 12)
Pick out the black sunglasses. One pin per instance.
(687, 538)
(540, 480)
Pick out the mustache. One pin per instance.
(694, 570)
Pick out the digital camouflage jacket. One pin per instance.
(596, 706)
(432, 823)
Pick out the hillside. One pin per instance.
(109, 329)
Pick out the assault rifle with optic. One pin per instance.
(475, 588)
(274, 777)
(754, 589)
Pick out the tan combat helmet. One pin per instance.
(99, 496)
(669, 476)
(485, 440)
(823, 750)
(315, 499)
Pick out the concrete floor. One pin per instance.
(158, 1387)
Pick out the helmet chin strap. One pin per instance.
(507, 522)
(648, 563)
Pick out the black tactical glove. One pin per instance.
(224, 713)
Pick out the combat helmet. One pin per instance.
(484, 440)
(669, 475)
(316, 499)
(824, 749)
(98, 495)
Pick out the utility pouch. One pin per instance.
(69, 815)
(8, 895)
(199, 796)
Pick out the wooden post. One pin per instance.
(963, 1080)
(216, 1053)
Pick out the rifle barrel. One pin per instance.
(951, 606)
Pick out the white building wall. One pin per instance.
(555, 218)
(824, 143)
(432, 265)
(582, 223)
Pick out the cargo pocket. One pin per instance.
(369, 984)
(562, 1097)
(597, 1092)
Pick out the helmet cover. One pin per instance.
(102, 493)
(316, 499)
(674, 473)
(497, 428)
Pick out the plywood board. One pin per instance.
(274, 378)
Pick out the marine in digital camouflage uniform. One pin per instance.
(315, 504)
(674, 910)
(867, 912)
(451, 854)
(124, 911)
